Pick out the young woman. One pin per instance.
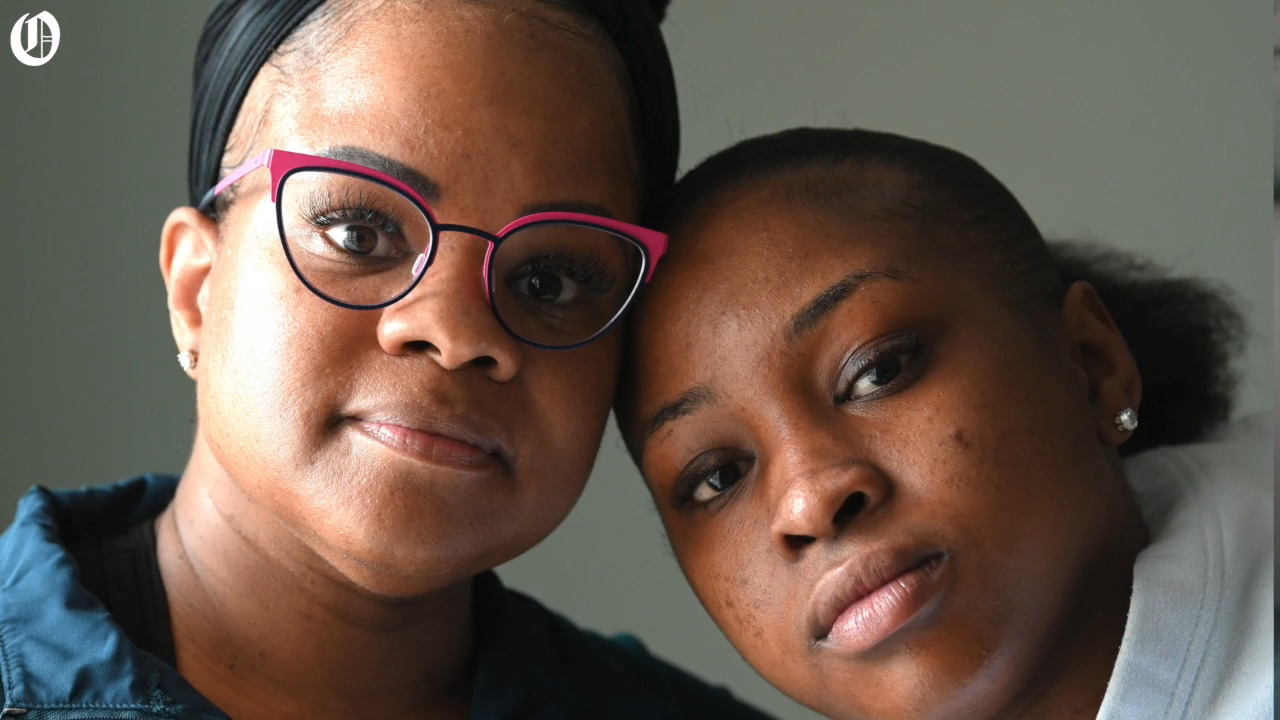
(410, 238)
(884, 428)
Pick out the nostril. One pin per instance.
(423, 346)
(852, 505)
(796, 543)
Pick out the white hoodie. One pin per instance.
(1199, 639)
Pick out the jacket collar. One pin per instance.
(59, 649)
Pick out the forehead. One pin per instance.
(517, 90)
(750, 260)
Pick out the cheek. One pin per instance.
(733, 572)
(995, 439)
(1002, 478)
(987, 470)
(569, 395)
(1020, 470)
(271, 348)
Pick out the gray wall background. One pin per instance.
(1143, 123)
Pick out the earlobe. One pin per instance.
(1114, 382)
(188, 247)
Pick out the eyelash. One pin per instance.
(589, 271)
(699, 472)
(908, 345)
(322, 209)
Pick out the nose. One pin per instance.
(824, 494)
(447, 316)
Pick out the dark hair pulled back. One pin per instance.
(240, 36)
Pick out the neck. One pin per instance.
(1072, 683)
(264, 628)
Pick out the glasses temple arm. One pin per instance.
(260, 160)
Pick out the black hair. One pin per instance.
(1184, 333)
(241, 36)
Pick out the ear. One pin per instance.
(188, 247)
(1103, 357)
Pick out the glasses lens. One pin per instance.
(559, 284)
(350, 238)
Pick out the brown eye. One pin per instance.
(882, 369)
(879, 375)
(719, 480)
(547, 287)
(357, 239)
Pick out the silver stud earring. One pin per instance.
(188, 359)
(1127, 420)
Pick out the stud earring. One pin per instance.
(188, 359)
(1127, 420)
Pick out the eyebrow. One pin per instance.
(426, 187)
(430, 190)
(809, 317)
(693, 400)
(701, 397)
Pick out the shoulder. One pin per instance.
(97, 509)
(1210, 505)
(1203, 588)
(619, 675)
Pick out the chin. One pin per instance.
(403, 574)
(428, 555)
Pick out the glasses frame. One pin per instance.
(282, 164)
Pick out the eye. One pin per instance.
(359, 240)
(560, 278)
(548, 287)
(878, 376)
(700, 486)
(881, 370)
(720, 480)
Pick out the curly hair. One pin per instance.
(1185, 335)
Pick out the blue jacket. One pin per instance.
(63, 658)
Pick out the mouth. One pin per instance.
(435, 441)
(862, 602)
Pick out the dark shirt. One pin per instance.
(85, 630)
(123, 572)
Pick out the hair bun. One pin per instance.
(659, 8)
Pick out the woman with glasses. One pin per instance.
(411, 237)
(922, 471)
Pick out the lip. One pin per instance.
(437, 438)
(863, 601)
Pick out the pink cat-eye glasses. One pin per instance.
(363, 239)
